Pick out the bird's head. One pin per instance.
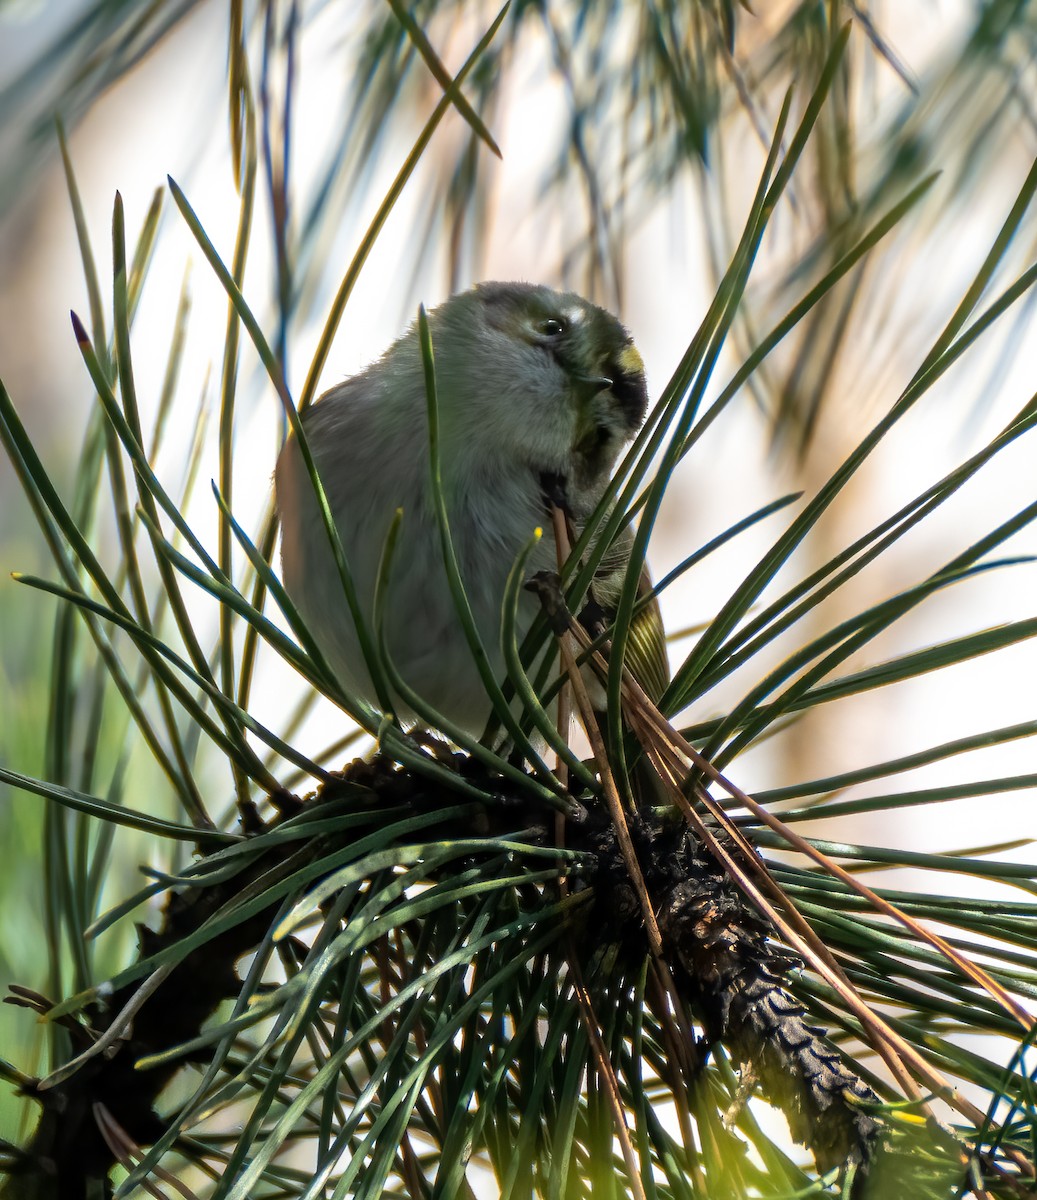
(545, 376)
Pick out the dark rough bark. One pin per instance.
(732, 973)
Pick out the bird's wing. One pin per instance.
(646, 642)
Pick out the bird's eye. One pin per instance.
(551, 327)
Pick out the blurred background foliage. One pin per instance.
(632, 136)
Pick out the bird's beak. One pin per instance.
(628, 387)
(590, 385)
(626, 381)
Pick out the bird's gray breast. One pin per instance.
(490, 520)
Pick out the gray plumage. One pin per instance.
(532, 385)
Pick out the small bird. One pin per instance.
(538, 392)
